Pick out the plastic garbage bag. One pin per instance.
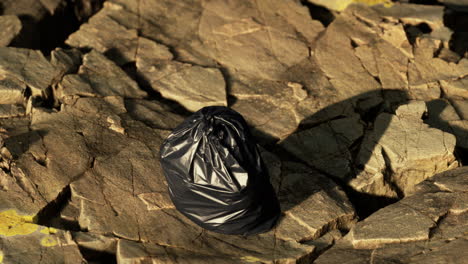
(216, 176)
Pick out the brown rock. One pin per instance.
(252, 40)
(98, 76)
(331, 153)
(117, 188)
(67, 60)
(106, 36)
(29, 67)
(51, 5)
(348, 71)
(36, 243)
(425, 68)
(443, 115)
(455, 88)
(430, 225)
(11, 27)
(11, 110)
(402, 151)
(194, 87)
(312, 204)
(11, 91)
(414, 14)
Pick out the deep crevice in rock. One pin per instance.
(462, 155)
(96, 256)
(457, 21)
(415, 31)
(52, 30)
(319, 13)
(366, 204)
(433, 229)
(424, 2)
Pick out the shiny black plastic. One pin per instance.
(216, 176)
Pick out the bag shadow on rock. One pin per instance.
(368, 106)
(216, 176)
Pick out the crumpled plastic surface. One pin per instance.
(216, 176)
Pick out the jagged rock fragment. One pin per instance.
(455, 88)
(443, 115)
(415, 15)
(347, 74)
(11, 91)
(98, 76)
(194, 87)
(67, 60)
(29, 67)
(429, 225)
(326, 147)
(51, 5)
(312, 204)
(11, 110)
(11, 27)
(251, 39)
(402, 151)
(106, 36)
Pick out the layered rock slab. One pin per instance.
(430, 220)
(402, 151)
(97, 76)
(29, 67)
(192, 86)
(227, 37)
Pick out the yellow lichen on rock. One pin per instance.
(250, 259)
(48, 230)
(12, 224)
(386, 3)
(1, 257)
(49, 241)
(340, 5)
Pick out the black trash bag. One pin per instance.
(216, 176)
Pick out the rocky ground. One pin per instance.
(360, 110)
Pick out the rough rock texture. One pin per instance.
(98, 76)
(331, 153)
(118, 188)
(22, 241)
(429, 225)
(359, 106)
(402, 151)
(10, 26)
(29, 67)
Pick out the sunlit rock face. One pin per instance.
(352, 103)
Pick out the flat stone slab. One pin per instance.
(428, 225)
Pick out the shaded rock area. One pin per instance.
(427, 226)
(359, 107)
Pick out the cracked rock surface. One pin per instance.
(428, 225)
(357, 106)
